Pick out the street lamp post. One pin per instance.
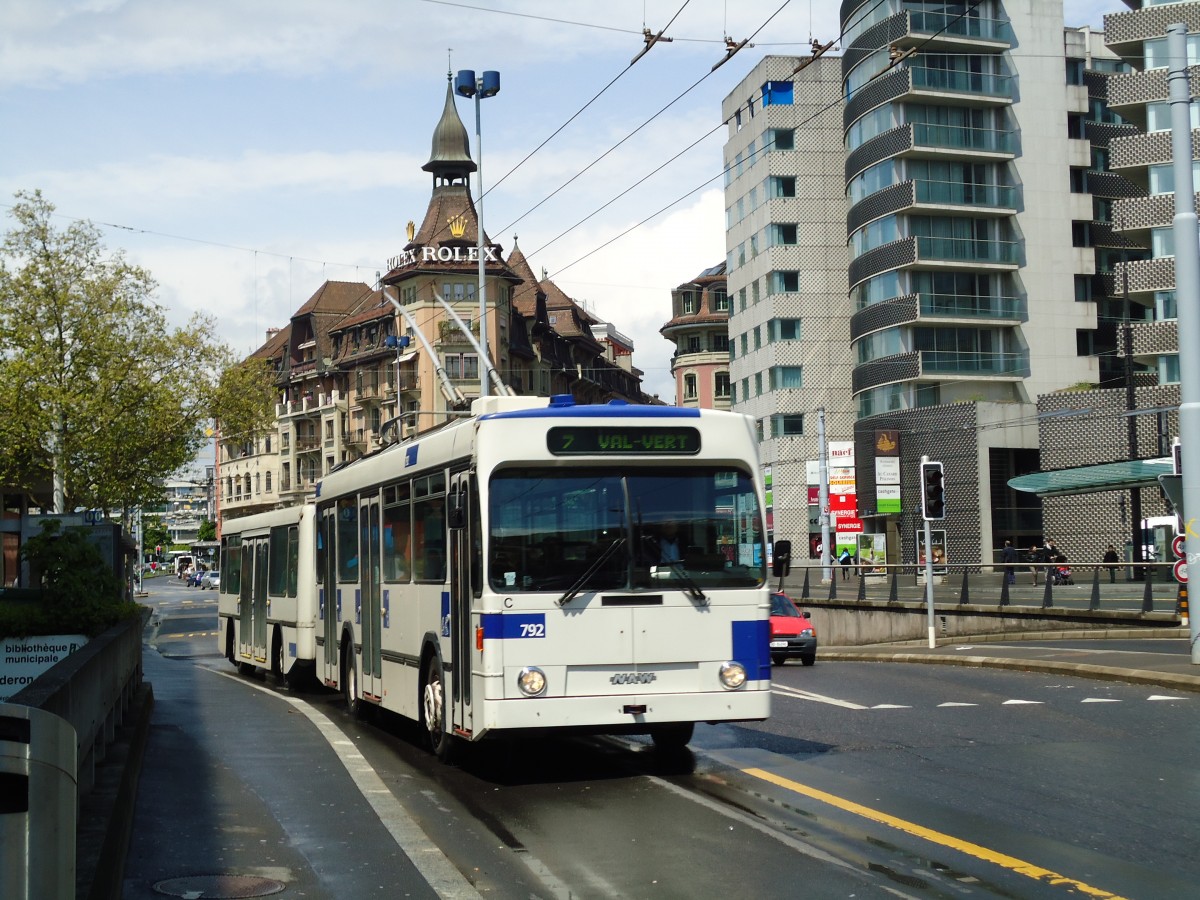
(486, 85)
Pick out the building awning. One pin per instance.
(1116, 476)
(403, 358)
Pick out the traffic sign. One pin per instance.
(1180, 571)
(1177, 546)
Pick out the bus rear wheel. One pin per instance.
(433, 710)
(350, 682)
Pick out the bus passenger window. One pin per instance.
(429, 534)
(397, 557)
(347, 540)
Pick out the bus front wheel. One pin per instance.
(672, 737)
(433, 710)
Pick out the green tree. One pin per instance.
(154, 535)
(207, 531)
(100, 398)
(80, 592)
(244, 403)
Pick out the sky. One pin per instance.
(246, 151)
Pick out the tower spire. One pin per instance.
(450, 159)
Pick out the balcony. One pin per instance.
(1001, 198)
(941, 27)
(960, 306)
(939, 138)
(966, 364)
(969, 251)
(307, 444)
(979, 85)
(918, 139)
(308, 405)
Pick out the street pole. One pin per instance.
(1187, 302)
(486, 85)
(823, 493)
(928, 571)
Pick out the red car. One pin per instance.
(792, 633)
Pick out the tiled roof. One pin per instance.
(334, 297)
(525, 295)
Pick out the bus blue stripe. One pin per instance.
(751, 648)
(501, 626)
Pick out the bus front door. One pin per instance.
(252, 602)
(459, 702)
(372, 611)
(259, 605)
(330, 614)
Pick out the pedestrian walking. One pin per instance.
(1111, 559)
(844, 559)
(1037, 557)
(1008, 556)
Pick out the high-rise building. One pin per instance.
(1133, 413)
(975, 239)
(785, 232)
(973, 177)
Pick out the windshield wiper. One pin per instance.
(679, 571)
(590, 571)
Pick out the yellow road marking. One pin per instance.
(1019, 866)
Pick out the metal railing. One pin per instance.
(1146, 587)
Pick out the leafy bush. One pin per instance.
(79, 593)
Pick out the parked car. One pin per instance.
(792, 633)
(211, 579)
(193, 578)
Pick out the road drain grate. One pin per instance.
(219, 887)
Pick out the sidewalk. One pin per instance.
(1167, 661)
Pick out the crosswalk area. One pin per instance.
(797, 694)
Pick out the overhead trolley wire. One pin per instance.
(679, 97)
(650, 41)
(832, 105)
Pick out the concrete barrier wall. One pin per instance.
(91, 689)
(854, 623)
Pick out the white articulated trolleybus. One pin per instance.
(542, 565)
(267, 606)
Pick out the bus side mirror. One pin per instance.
(781, 564)
(456, 516)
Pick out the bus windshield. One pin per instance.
(648, 529)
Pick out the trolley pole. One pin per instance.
(1187, 293)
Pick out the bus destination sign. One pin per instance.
(653, 440)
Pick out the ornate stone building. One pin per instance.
(699, 330)
(354, 372)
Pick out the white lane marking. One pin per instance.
(940, 705)
(1022, 703)
(434, 866)
(889, 706)
(1099, 700)
(816, 698)
(1165, 697)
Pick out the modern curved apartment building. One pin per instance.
(974, 240)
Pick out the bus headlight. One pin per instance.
(532, 681)
(733, 675)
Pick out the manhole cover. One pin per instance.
(219, 887)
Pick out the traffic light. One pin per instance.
(933, 491)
